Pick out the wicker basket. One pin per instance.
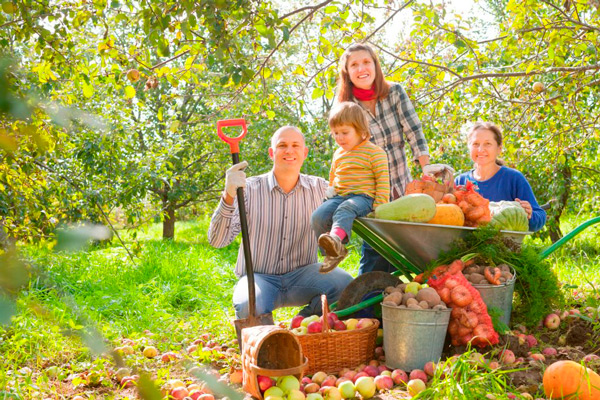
(270, 351)
(331, 351)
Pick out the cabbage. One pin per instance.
(509, 216)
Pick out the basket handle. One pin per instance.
(280, 372)
(325, 312)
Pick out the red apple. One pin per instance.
(549, 351)
(315, 327)
(429, 368)
(319, 377)
(382, 368)
(195, 394)
(305, 380)
(384, 382)
(350, 375)
(418, 374)
(340, 380)
(296, 321)
(312, 388)
(415, 386)
(364, 323)
(399, 376)
(538, 357)
(590, 358)
(358, 375)
(206, 396)
(507, 357)
(329, 381)
(264, 382)
(339, 326)
(168, 356)
(552, 321)
(179, 393)
(236, 377)
(531, 341)
(371, 370)
(127, 381)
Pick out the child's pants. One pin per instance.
(340, 212)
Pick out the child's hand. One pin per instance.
(330, 192)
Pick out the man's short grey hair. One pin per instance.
(283, 129)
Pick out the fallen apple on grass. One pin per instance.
(150, 352)
(399, 376)
(415, 386)
(347, 389)
(552, 321)
(383, 382)
(366, 387)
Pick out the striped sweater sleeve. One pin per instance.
(379, 162)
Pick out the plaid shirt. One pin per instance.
(281, 237)
(396, 120)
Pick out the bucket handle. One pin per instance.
(280, 372)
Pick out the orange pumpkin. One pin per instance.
(448, 214)
(568, 379)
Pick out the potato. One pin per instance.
(429, 295)
(423, 304)
(411, 301)
(389, 303)
(507, 275)
(401, 286)
(395, 297)
(389, 289)
(414, 306)
(472, 269)
(440, 306)
(476, 277)
(407, 296)
(504, 268)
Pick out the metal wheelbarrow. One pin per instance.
(409, 247)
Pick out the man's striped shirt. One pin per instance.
(281, 237)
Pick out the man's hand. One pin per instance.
(235, 178)
(443, 171)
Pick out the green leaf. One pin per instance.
(331, 9)
(317, 92)
(270, 115)
(129, 92)
(88, 90)
(286, 33)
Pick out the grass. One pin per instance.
(175, 289)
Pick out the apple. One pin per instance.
(122, 372)
(329, 381)
(531, 341)
(150, 352)
(305, 380)
(314, 396)
(339, 326)
(399, 376)
(296, 394)
(552, 321)
(379, 342)
(549, 351)
(340, 380)
(351, 323)
(287, 383)
(384, 382)
(273, 391)
(194, 386)
(415, 386)
(168, 356)
(538, 87)
(477, 358)
(191, 348)
(418, 374)
(383, 368)
(52, 371)
(347, 389)
(315, 327)
(493, 365)
(538, 357)
(76, 397)
(332, 393)
(507, 357)
(412, 287)
(364, 323)
(429, 368)
(365, 385)
(274, 398)
(312, 388)
(301, 330)
(127, 381)
(195, 394)
(371, 371)
(374, 363)
(179, 393)
(359, 375)
(350, 375)
(236, 377)
(319, 377)
(308, 320)
(133, 75)
(386, 373)
(296, 321)
(264, 382)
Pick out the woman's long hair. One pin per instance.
(344, 84)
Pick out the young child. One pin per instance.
(358, 182)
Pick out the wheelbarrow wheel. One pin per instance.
(364, 285)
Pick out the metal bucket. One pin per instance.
(499, 296)
(411, 338)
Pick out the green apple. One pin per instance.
(412, 287)
(287, 383)
(366, 386)
(347, 389)
(296, 394)
(308, 320)
(314, 396)
(415, 386)
(274, 398)
(301, 330)
(319, 377)
(273, 391)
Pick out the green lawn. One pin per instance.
(175, 289)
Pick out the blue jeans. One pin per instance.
(370, 261)
(297, 288)
(340, 212)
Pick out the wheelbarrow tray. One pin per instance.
(417, 243)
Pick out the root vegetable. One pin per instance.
(429, 295)
(461, 296)
(493, 276)
(445, 295)
(469, 319)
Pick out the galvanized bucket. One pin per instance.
(499, 296)
(411, 338)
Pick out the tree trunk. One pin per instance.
(168, 221)
(554, 227)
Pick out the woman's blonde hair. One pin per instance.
(350, 113)
(490, 126)
(344, 84)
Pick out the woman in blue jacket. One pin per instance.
(495, 181)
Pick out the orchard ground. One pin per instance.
(176, 296)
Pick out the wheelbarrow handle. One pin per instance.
(232, 141)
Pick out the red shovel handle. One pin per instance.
(232, 141)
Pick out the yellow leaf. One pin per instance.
(174, 126)
(129, 92)
(270, 115)
(88, 90)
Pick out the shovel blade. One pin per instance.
(263, 319)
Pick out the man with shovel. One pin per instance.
(279, 205)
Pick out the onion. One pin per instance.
(451, 282)
(444, 294)
(469, 319)
(461, 296)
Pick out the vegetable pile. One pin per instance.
(473, 205)
(509, 215)
(488, 274)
